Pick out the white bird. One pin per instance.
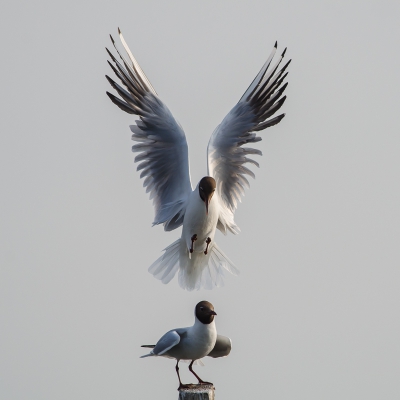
(193, 343)
(163, 157)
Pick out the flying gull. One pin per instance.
(164, 163)
(193, 343)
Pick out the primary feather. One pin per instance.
(226, 154)
(162, 147)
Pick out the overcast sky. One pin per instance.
(315, 311)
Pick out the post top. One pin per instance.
(197, 392)
(193, 388)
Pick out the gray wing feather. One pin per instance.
(226, 156)
(162, 147)
(169, 340)
(222, 347)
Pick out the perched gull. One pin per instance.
(163, 158)
(193, 343)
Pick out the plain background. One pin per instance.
(315, 311)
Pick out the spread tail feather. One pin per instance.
(165, 267)
(195, 272)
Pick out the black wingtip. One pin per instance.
(276, 44)
(110, 54)
(121, 104)
(119, 31)
(284, 51)
(113, 98)
(113, 42)
(286, 65)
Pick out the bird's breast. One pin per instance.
(197, 221)
(199, 341)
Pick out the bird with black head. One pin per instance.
(164, 163)
(193, 343)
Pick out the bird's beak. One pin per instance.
(213, 313)
(207, 201)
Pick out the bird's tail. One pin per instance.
(165, 267)
(195, 272)
(147, 355)
(149, 346)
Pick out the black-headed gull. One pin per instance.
(193, 343)
(163, 162)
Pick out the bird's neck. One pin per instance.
(200, 327)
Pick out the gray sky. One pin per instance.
(315, 311)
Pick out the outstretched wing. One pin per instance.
(226, 156)
(169, 340)
(162, 147)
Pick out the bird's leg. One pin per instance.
(208, 241)
(193, 239)
(201, 382)
(181, 385)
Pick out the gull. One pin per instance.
(193, 343)
(164, 163)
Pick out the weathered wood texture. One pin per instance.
(197, 392)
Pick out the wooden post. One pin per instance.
(197, 392)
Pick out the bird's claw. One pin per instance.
(193, 239)
(205, 383)
(193, 385)
(208, 241)
(184, 386)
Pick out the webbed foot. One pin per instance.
(184, 386)
(208, 241)
(193, 239)
(205, 383)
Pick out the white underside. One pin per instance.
(196, 270)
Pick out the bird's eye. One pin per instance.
(201, 308)
(201, 188)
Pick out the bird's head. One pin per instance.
(207, 187)
(204, 312)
